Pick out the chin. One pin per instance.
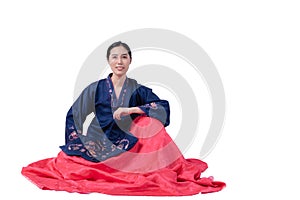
(120, 73)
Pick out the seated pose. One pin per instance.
(126, 149)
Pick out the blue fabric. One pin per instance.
(105, 136)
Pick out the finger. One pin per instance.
(115, 115)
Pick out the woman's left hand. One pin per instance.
(121, 112)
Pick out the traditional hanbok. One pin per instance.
(131, 156)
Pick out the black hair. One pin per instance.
(117, 44)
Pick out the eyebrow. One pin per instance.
(118, 54)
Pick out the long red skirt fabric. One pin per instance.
(154, 167)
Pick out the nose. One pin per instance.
(120, 60)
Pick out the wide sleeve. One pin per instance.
(81, 108)
(153, 106)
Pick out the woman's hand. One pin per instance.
(121, 112)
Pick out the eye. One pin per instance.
(124, 56)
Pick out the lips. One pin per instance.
(120, 68)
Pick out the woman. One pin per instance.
(126, 150)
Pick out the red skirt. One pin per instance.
(153, 167)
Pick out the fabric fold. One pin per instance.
(153, 167)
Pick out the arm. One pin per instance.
(153, 106)
(123, 111)
(144, 101)
(81, 108)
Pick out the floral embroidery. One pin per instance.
(73, 136)
(152, 105)
(74, 147)
(92, 147)
(102, 149)
(123, 144)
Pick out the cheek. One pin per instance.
(128, 62)
(111, 62)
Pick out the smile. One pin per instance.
(120, 68)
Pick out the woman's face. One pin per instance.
(119, 60)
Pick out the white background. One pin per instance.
(254, 45)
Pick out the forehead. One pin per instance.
(118, 50)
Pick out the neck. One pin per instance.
(118, 80)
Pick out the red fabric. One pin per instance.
(154, 167)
